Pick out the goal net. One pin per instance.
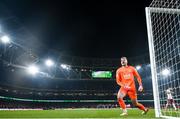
(163, 26)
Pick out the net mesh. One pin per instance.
(175, 4)
(166, 39)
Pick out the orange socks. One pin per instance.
(140, 106)
(121, 103)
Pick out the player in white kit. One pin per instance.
(170, 100)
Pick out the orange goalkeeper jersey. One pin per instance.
(125, 76)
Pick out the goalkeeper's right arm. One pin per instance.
(118, 80)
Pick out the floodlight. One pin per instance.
(5, 39)
(138, 67)
(165, 72)
(33, 69)
(49, 62)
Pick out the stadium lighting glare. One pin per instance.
(49, 62)
(165, 72)
(5, 39)
(138, 67)
(64, 66)
(33, 70)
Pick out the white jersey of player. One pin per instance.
(169, 94)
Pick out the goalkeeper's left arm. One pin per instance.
(136, 74)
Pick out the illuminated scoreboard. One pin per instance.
(101, 74)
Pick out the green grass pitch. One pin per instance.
(76, 113)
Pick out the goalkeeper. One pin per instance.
(125, 79)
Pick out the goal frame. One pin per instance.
(148, 11)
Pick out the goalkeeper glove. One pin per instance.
(140, 89)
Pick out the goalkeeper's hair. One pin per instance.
(124, 57)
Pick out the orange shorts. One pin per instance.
(131, 92)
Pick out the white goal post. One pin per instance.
(163, 27)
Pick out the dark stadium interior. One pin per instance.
(84, 36)
(85, 88)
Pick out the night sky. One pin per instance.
(85, 28)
